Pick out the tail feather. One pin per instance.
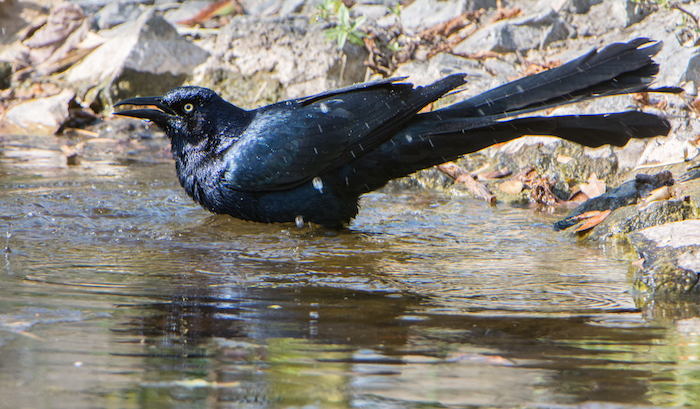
(619, 68)
(495, 116)
(414, 149)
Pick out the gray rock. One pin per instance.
(582, 6)
(518, 34)
(692, 73)
(481, 74)
(674, 235)
(258, 60)
(422, 14)
(116, 13)
(185, 11)
(262, 7)
(609, 15)
(43, 116)
(144, 57)
(668, 151)
(290, 6)
(426, 72)
(671, 254)
(628, 193)
(372, 12)
(690, 260)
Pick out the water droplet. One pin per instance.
(409, 138)
(318, 184)
(7, 243)
(299, 220)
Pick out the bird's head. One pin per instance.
(187, 114)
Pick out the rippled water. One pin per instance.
(117, 291)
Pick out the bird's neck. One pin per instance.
(199, 173)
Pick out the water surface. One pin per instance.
(117, 291)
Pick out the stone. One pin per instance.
(46, 49)
(143, 57)
(422, 14)
(674, 235)
(259, 60)
(43, 116)
(116, 13)
(668, 151)
(518, 34)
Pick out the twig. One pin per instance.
(682, 10)
(461, 175)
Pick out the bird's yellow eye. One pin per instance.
(188, 108)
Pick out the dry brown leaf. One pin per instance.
(662, 193)
(451, 26)
(641, 98)
(219, 8)
(463, 176)
(65, 28)
(578, 197)
(542, 193)
(594, 188)
(696, 104)
(639, 263)
(445, 37)
(593, 219)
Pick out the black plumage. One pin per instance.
(311, 158)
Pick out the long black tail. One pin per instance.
(619, 68)
(490, 118)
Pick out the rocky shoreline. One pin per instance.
(63, 65)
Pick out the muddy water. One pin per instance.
(116, 291)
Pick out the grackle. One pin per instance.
(310, 159)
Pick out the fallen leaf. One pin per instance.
(578, 197)
(451, 26)
(48, 48)
(593, 219)
(639, 263)
(662, 193)
(217, 9)
(594, 188)
(461, 175)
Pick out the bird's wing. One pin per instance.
(291, 142)
(355, 87)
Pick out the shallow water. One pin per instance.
(117, 291)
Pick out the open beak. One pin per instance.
(158, 116)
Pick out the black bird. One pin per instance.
(310, 159)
